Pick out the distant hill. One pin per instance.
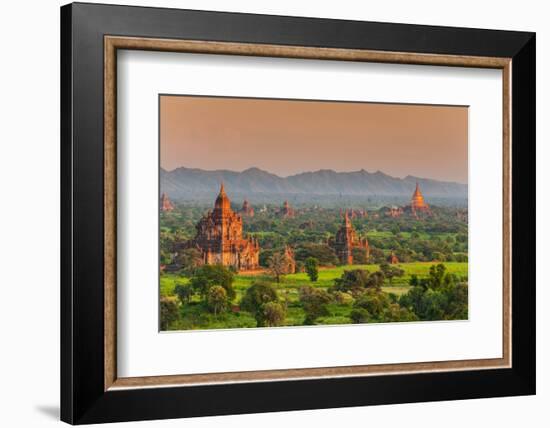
(184, 184)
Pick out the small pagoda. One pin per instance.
(166, 204)
(287, 211)
(247, 209)
(392, 259)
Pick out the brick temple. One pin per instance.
(290, 260)
(247, 209)
(392, 259)
(287, 211)
(346, 240)
(220, 238)
(166, 204)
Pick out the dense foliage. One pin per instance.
(428, 283)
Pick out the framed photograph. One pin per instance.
(266, 213)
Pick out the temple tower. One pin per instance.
(247, 209)
(287, 211)
(346, 240)
(418, 205)
(417, 200)
(392, 259)
(165, 204)
(289, 259)
(220, 237)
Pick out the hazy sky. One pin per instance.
(288, 137)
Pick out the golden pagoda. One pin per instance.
(417, 202)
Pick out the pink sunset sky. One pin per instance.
(286, 137)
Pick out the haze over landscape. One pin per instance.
(197, 184)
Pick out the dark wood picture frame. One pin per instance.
(90, 389)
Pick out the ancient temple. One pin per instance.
(220, 237)
(287, 211)
(394, 212)
(356, 213)
(346, 240)
(247, 209)
(392, 259)
(166, 204)
(289, 259)
(418, 205)
(360, 213)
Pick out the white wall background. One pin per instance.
(29, 214)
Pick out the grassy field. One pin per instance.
(194, 316)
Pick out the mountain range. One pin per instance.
(183, 184)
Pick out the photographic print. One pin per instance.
(283, 212)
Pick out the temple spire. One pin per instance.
(417, 199)
(222, 201)
(346, 240)
(287, 211)
(417, 190)
(346, 219)
(418, 204)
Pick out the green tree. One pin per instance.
(461, 257)
(457, 297)
(352, 280)
(396, 313)
(375, 306)
(184, 292)
(360, 316)
(375, 302)
(447, 301)
(278, 265)
(209, 275)
(312, 268)
(359, 256)
(461, 237)
(377, 255)
(322, 252)
(217, 299)
(375, 280)
(414, 300)
(256, 296)
(434, 303)
(265, 255)
(189, 260)
(168, 312)
(273, 314)
(391, 272)
(314, 301)
(437, 273)
(343, 298)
